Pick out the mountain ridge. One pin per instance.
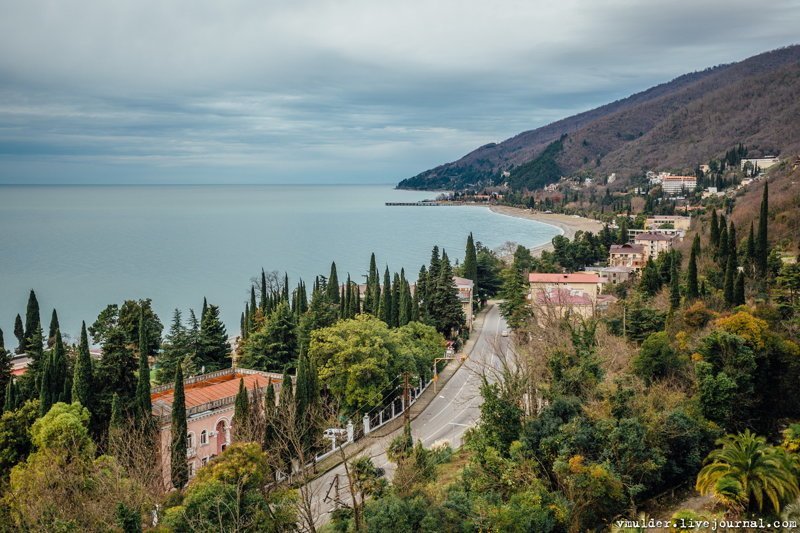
(677, 124)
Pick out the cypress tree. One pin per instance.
(343, 306)
(347, 303)
(730, 276)
(369, 302)
(32, 319)
(385, 308)
(751, 246)
(241, 411)
(287, 394)
(418, 307)
(696, 245)
(243, 323)
(61, 385)
(179, 470)
(722, 249)
(270, 409)
(692, 288)
(404, 304)
(205, 308)
(395, 316)
(51, 334)
(674, 284)
(738, 291)
(253, 306)
(117, 420)
(263, 300)
(732, 245)
(356, 299)
(10, 398)
(82, 386)
(762, 244)
(714, 238)
(143, 405)
(45, 387)
(285, 293)
(19, 333)
(333, 285)
(471, 262)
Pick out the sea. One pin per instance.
(84, 247)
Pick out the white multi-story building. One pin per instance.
(673, 185)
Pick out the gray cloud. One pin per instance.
(351, 90)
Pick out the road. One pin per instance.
(455, 408)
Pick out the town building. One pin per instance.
(670, 221)
(654, 244)
(627, 255)
(613, 275)
(210, 402)
(762, 163)
(553, 303)
(675, 185)
(465, 295)
(581, 281)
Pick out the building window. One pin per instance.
(203, 438)
(190, 468)
(190, 440)
(205, 461)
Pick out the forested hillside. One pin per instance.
(676, 125)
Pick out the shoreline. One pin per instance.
(568, 225)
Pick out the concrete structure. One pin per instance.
(761, 163)
(674, 185)
(616, 274)
(627, 255)
(465, 295)
(582, 281)
(209, 411)
(654, 244)
(676, 221)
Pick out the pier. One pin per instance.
(423, 203)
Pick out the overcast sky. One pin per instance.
(238, 91)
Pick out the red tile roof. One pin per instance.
(536, 277)
(217, 388)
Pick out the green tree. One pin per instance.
(15, 436)
(738, 290)
(273, 346)
(5, 367)
(354, 358)
(471, 262)
(19, 333)
(656, 359)
(674, 283)
(333, 285)
(54, 386)
(714, 237)
(728, 284)
(762, 243)
(385, 306)
(179, 469)
(241, 411)
(51, 335)
(176, 349)
(143, 407)
(692, 285)
(650, 283)
(33, 321)
(372, 294)
(82, 380)
(744, 471)
(232, 491)
(514, 306)
(444, 310)
(213, 350)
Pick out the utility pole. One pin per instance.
(406, 399)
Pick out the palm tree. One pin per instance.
(745, 469)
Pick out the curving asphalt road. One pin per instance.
(455, 409)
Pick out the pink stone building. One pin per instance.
(209, 412)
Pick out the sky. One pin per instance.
(344, 91)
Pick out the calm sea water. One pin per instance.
(83, 247)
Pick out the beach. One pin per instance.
(568, 224)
